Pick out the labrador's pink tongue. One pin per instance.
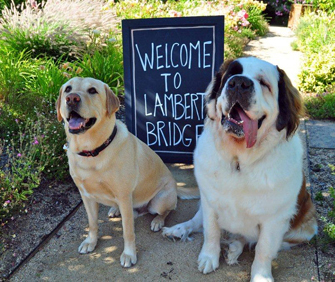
(250, 128)
(76, 123)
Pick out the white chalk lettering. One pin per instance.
(194, 99)
(172, 50)
(158, 57)
(166, 57)
(206, 54)
(165, 80)
(177, 80)
(195, 47)
(158, 104)
(165, 134)
(146, 106)
(183, 49)
(146, 57)
(187, 105)
(168, 99)
(188, 140)
(178, 104)
(193, 54)
(150, 132)
(160, 133)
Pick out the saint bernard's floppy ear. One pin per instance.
(290, 105)
(112, 102)
(214, 88)
(58, 102)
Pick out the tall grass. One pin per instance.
(106, 65)
(54, 28)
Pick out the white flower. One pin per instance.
(96, 32)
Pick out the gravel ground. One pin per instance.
(321, 179)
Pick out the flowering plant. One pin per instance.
(282, 7)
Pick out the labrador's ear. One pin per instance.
(291, 108)
(112, 102)
(58, 104)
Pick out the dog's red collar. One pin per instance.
(96, 151)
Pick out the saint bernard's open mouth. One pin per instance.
(78, 124)
(238, 123)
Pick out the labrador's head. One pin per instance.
(85, 102)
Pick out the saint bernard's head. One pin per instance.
(250, 97)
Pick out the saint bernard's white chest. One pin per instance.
(243, 194)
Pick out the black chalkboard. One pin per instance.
(168, 63)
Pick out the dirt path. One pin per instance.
(275, 47)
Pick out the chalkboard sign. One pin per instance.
(168, 63)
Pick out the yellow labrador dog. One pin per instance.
(111, 166)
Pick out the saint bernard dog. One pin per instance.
(249, 167)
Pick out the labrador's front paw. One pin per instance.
(114, 212)
(127, 260)
(87, 246)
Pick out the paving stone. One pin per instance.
(321, 134)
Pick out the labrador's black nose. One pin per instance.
(72, 100)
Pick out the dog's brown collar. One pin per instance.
(96, 151)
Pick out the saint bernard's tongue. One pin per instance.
(250, 128)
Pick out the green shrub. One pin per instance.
(329, 228)
(320, 106)
(105, 64)
(14, 68)
(257, 21)
(316, 38)
(57, 29)
(45, 82)
(28, 30)
(24, 81)
(318, 70)
(325, 5)
(29, 151)
(315, 30)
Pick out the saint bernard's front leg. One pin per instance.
(208, 259)
(269, 242)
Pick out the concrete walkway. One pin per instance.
(158, 258)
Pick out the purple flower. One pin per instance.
(35, 141)
(19, 155)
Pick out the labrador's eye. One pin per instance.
(68, 89)
(92, 90)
